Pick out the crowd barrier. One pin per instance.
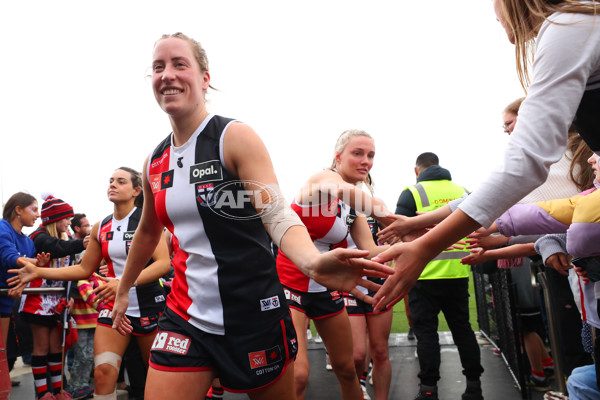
(496, 299)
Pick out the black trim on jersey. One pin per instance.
(149, 295)
(587, 118)
(242, 247)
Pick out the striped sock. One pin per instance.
(55, 365)
(538, 375)
(39, 368)
(548, 362)
(217, 393)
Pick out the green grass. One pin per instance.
(400, 323)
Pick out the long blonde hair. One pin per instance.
(341, 144)
(52, 231)
(525, 17)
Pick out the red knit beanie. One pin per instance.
(55, 209)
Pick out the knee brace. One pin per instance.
(108, 357)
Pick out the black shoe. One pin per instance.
(538, 385)
(473, 391)
(427, 393)
(472, 395)
(411, 334)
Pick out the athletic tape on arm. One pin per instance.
(276, 214)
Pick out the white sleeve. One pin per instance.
(566, 56)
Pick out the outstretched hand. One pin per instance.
(560, 262)
(400, 230)
(43, 259)
(477, 256)
(408, 265)
(107, 291)
(23, 275)
(344, 269)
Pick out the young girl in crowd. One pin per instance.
(16, 249)
(110, 240)
(324, 205)
(42, 311)
(226, 315)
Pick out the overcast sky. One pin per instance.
(418, 76)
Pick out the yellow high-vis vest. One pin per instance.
(430, 195)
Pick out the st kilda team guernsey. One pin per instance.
(225, 276)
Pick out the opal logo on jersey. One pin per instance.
(264, 357)
(171, 342)
(206, 172)
(128, 235)
(269, 304)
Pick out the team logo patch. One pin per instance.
(264, 357)
(171, 342)
(292, 296)
(269, 304)
(294, 345)
(109, 235)
(335, 295)
(206, 172)
(205, 194)
(159, 298)
(144, 321)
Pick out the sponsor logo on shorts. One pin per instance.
(144, 321)
(270, 304)
(264, 357)
(172, 343)
(293, 296)
(104, 313)
(350, 302)
(159, 298)
(206, 172)
(335, 295)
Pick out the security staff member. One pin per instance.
(443, 286)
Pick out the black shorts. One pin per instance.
(44, 320)
(356, 306)
(143, 326)
(315, 305)
(242, 362)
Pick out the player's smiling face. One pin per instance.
(178, 83)
(120, 187)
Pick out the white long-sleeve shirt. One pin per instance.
(567, 63)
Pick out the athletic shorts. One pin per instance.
(44, 320)
(243, 362)
(315, 305)
(143, 326)
(356, 306)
